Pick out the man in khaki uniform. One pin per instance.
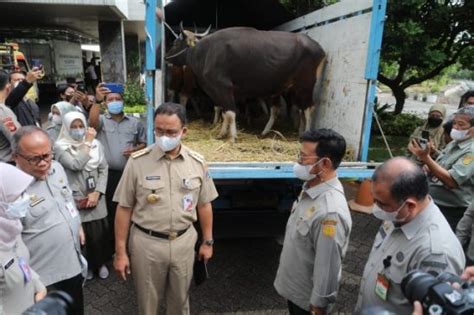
(318, 229)
(160, 189)
(414, 235)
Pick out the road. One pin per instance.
(242, 273)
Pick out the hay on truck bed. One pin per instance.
(249, 147)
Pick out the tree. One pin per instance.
(421, 39)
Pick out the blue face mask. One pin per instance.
(115, 107)
(77, 134)
(18, 208)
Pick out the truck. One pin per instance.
(12, 58)
(61, 60)
(254, 197)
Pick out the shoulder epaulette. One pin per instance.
(197, 156)
(139, 153)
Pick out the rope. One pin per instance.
(382, 133)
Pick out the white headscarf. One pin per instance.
(66, 142)
(13, 182)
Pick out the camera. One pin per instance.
(436, 294)
(55, 303)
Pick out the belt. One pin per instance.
(171, 236)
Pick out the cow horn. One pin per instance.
(195, 28)
(205, 33)
(181, 28)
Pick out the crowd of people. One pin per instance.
(85, 189)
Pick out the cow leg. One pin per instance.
(295, 116)
(302, 122)
(225, 125)
(233, 125)
(308, 113)
(183, 99)
(263, 106)
(217, 115)
(274, 111)
(195, 106)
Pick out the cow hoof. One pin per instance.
(221, 137)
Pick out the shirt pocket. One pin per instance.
(153, 191)
(39, 207)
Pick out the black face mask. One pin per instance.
(434, 121)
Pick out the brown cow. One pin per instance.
(239, 63)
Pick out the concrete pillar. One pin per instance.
(112, 48)
(133, 55)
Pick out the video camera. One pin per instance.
(55, 303)
(436, 294)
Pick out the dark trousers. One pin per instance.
(112, 183)
(294, 309)
(453, 215)
(73, 287)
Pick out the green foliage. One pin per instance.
(135, 109)
(133, 94)
(395, 125)
(423, 37)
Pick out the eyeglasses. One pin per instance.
(169, 132)
(37, 159)
(301, 157)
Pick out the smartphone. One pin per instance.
(425, 134)
(114, 87)
(81, 88)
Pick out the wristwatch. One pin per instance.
(208, 242)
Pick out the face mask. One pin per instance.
(77, 134)
(18, 208)
(303, 171)
(168, 143)
(434, 122)
(115, 107)
(459, 135)
(57, 120)
(388, 216)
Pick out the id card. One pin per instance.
(188, 202)
(25, 269)
(72, 209)
(90, 182)
(381, 286)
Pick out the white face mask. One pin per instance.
(303, 171)
(167, 144)
(18, 208)
(57, 120)
(388, 216)
(459, 135)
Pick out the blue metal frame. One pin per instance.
(153, 31)
(371, 70)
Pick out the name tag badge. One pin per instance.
(188, 202)
(8, 264)
(153, 177)
(90, 181)
(25, 269)
(381, 286)
(72, 209)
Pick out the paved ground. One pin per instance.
(242, 274)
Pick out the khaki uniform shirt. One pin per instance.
(465, 231)
(458, 159)
(116, 137)
(316, 240)
(51, 228)
(427, 243)
(18, 285)
(164, 193)
(8, 126)
(77, 175)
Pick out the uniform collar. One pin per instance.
(464, 144)
(108, 116)
(411, 228)
(315, 191)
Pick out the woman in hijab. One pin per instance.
(20, 286)
(58, 111)
(82, 156)
(433, 125)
